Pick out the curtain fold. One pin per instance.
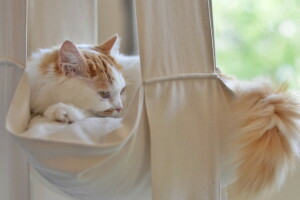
(175, 37)
(14, 175)
(14, 171)
(52, 22)
(182, 95)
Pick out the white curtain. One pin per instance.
(52, 22)
(14, 177)
(118, 16)
(185, 100)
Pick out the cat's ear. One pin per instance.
(111, 45)
(70, 60)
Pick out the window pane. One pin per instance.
(258, 38)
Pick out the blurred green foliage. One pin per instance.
(258, 38)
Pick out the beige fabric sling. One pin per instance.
(175, 112)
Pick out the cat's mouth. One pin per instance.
(107, 113)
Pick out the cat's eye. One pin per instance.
(123, 90)
(104, 94)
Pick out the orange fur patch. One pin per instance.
(97, 70)
(49, 58)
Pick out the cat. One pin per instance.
(74, 82)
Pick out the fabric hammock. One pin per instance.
(90, 171)
(167, 147)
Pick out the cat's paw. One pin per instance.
(63, 113)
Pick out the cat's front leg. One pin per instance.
(65, 113)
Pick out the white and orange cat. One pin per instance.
(74, 82)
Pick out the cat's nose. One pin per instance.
(118, 109)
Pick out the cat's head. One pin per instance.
(93, 78)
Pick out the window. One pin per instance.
(256, 38)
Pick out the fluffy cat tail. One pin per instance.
(266, 138)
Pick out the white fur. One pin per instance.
(64, 113)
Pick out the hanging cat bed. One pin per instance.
(163, 129)
(96, 158)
